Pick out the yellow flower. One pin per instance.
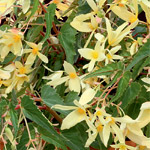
(115, 37)
(34, 52)
(93, 131)
(19, 77)
(94, 56)
(72, 78)
(110, 56)
(81, 24)
(79, 113)
(110, 126)
(11, 41)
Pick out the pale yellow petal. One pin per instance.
(146, 80)
(106, 134)
(72, 119)
(92, 5)
(43, 57)
(109, 30)
(79, 24)
(143, 118)
(118, 133)
(18, 64)
(25, 6)
(4, 74)
(30, 59)
(32, 45)
(62, 6)
(68, 68)
(115, 49)
(91, 65)
(87, 96)
(58, 81)
(86, 53)
(124, 14)
(61, 107)
(101, 2)
(74, 85)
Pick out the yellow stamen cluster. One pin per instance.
(109, 56)
(56, 1)
(35, 51)
(98, 113)
(133, 19)
(99, 128)
(142, 147)
(22, 70)
(122, 147)
(94, 54)
(17, 38)
(72, 75)
(81, 111)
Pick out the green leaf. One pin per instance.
(3, 105)
(33, 113)
(122, 85)
(49, 16)
(50, 97)
(143, 52)
(23, 141)
(46, 135)
(14, 117)
(130, 94)
(74, 138)
(106, 70)
(139, 67)
(67, 40)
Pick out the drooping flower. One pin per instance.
(79, 113)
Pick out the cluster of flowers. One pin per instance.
(14, 75)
